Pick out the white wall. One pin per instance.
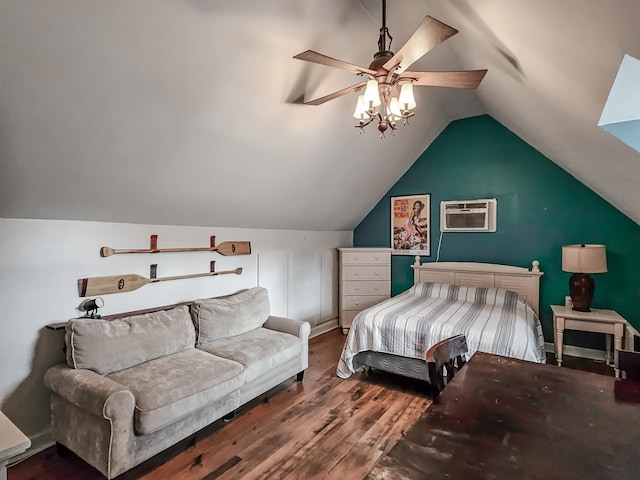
(41, 261)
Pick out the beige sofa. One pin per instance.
(134, 386)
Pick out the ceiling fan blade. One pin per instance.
(339, 93)
(315, 57)
(429, 34)
(461, 79)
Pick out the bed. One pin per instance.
(495, 306)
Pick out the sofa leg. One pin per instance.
(229, 416)
(300, 376)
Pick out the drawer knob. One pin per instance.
(377, 288)
(357, 258)
(357, 303)
(357, 289)
(377, 258)
(376, 274)
(357, 274)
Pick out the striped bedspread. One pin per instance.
(494, 321)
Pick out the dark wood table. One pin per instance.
(502, 418)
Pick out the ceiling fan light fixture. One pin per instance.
(406, 99)
(372, 94)
(361, 108)
(394, 108)
(380, 104)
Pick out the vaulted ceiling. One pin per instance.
(189, 112)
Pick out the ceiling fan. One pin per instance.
(381, 101)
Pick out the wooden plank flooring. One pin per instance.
(322, 428)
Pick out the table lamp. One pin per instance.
(581, 260)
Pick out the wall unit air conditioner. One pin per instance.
(468, 215)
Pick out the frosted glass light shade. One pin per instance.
(584, 259)
(407, 100)
(361, 108)
(371, 93)
(394, 109)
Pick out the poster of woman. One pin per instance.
(410, 230)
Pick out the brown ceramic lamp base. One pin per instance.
(581, 288)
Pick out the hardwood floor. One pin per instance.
(322, 428)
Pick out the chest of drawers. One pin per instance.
(365, 279)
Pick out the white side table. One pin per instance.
(12, 442)
(608, 322)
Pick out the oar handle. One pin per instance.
(108, 251)
(237, 271)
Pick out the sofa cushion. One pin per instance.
(216, 318)
(260, 350)
(108, 346)
(169, 388)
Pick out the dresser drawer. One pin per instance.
(367, 272)
(381, 287)
(357, 258)
(360, 302)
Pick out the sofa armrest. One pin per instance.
(298, 328)
(90, 391)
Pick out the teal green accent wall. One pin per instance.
(540, 208)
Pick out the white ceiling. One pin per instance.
(189, 112)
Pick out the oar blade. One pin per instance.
(234, 248)
(112, 284)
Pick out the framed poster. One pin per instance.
(410, 228)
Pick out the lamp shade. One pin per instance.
(406, 99)
(584, 259)
(371, 94)
(361, 108)
(394, 109)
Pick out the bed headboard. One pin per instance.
(517, 279)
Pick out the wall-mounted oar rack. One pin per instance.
(125, 283)
(225, 248)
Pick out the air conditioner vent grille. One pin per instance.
(468, 215)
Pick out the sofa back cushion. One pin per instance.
(222, 317)
(109, 346)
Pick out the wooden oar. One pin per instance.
(126, 283)
(225, 248)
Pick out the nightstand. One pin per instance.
(12, 442)
(608, 322)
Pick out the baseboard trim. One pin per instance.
(573, 351)
(323, 327)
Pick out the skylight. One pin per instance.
(621, 114)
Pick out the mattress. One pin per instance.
(494, 320)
